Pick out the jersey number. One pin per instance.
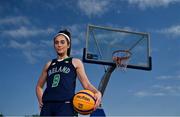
(56, 80)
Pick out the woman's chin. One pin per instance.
(60, 53)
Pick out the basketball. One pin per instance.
(84, 101)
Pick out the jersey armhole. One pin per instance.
(73, 64)
(52, 61)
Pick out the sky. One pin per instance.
(28, 26)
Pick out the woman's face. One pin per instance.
(61, 45)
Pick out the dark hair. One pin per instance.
(66, 32)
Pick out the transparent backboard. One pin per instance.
(101, 42)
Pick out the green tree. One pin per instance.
(1, 115)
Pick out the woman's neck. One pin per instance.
(62, 57)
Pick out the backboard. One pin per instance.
(101, 42)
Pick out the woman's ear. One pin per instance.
(68, 46)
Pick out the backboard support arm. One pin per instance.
(105, 79)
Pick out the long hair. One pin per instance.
(66, 32)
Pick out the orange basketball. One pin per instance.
(84, 102)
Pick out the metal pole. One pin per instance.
(105, 79)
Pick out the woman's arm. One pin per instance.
(85, 82)
(40, 84)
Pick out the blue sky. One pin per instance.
(28, 26)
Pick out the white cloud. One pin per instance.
(29, 57)
(76, 29)
(33, 50)
(26, 32)
(143, 4)
(26, 49)
(159, 90)
(77, 52)
(18, 20)
(46, 43)
(30, 50)
(168, 77)
(16, 45)
(146, 93)
(78, 33)
(41, 49)
(172, 31)
(20, 26)
(46, 4)
(93, 7)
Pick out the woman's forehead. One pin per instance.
(60, 37)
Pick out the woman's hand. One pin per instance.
(97, 97)
(40, 105)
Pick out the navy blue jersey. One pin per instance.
(61, 81)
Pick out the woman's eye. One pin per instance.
(62, 42)
(56, 42)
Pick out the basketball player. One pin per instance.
(60, 76)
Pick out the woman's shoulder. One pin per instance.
(76, 62)
(48, 63)
(76, 59)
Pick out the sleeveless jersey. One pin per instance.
(61, 81)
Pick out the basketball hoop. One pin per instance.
(121, 58)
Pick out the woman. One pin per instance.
(60, 76)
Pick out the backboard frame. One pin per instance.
(93, 61)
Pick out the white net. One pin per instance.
(121, 58)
